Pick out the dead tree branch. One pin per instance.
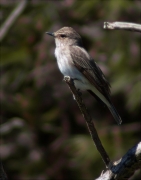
(12, 18)
(118, 170)
(125, 167)
(122, 25)
(89, 122)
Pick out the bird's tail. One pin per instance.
(109, 104)
(115, 114)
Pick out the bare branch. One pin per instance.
(125, 167)
(12, 18)
(123, 25)
(89, 122)
(119, 170)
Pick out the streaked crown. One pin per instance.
(67, 36)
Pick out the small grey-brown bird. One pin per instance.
(74, 61)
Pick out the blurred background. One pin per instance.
(43, 134)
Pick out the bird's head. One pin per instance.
(66, 36)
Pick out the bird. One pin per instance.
(74, 61)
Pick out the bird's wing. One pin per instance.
(86, 65)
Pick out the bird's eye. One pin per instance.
(63, 35)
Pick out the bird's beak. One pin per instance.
(49, 33)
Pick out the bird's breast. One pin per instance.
(65, 62)
(67, 68)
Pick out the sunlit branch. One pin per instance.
(123, 25)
